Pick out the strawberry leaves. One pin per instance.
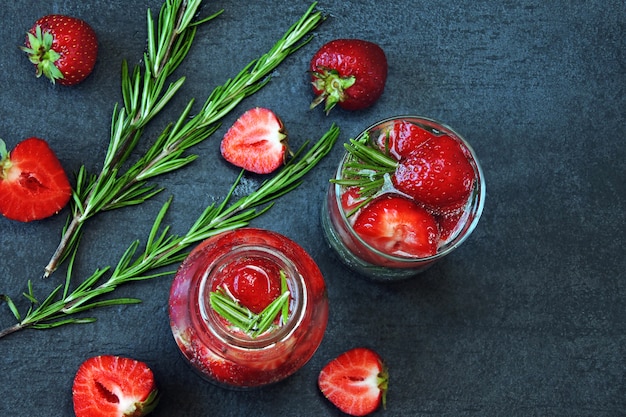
(64, 49)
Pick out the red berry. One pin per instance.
(254, 282)
(33, 184)
(449, 223)
(256, 142)
(112, 386)
(438, 174)
(63, 48)
(356, 381)
(351, 198)
(395, 225)
(402, 137)
(348, 72)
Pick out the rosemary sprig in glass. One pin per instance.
(168, 44)
(241, 317)
(162, 248)
(367, 169)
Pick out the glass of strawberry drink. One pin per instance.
(248, 308)
(408, 191)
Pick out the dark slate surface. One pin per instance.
(527, 318)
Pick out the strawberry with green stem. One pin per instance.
(350, 73)
(64, 49)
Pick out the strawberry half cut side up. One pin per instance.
(33, 184)
(256, 142)
(356, 381)
(108, 386)
(398, 226)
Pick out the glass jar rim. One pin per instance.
(266, 340)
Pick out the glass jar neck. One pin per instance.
(231, 336)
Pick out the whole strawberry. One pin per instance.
(350, 73)
(33, 184)
(438, 174)
(63, 48)
(113, 386)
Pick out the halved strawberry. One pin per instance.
(112, 386)
(356, 381)
(33, 184)
(256, 142)
(398, 226)
(402, 137)
(438, 174)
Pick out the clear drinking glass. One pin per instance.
(226, 355)
(372, 263)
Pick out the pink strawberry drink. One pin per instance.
(408, 191)
(248, 308)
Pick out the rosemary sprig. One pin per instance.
(367, 169)
(162, 248)
(143, 97)
(239, 316)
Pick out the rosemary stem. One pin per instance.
(72, 230)
(12, 329)
(108, 190)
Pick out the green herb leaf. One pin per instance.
(367, 169)
(224, 304)
(168, 249)
(144, 95)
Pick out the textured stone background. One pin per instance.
(527, 318)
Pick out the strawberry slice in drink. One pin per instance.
(401, 138)
(253, 281)
(397, 226)
(438, 174)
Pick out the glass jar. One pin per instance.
(220, 351)
(360, 256)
